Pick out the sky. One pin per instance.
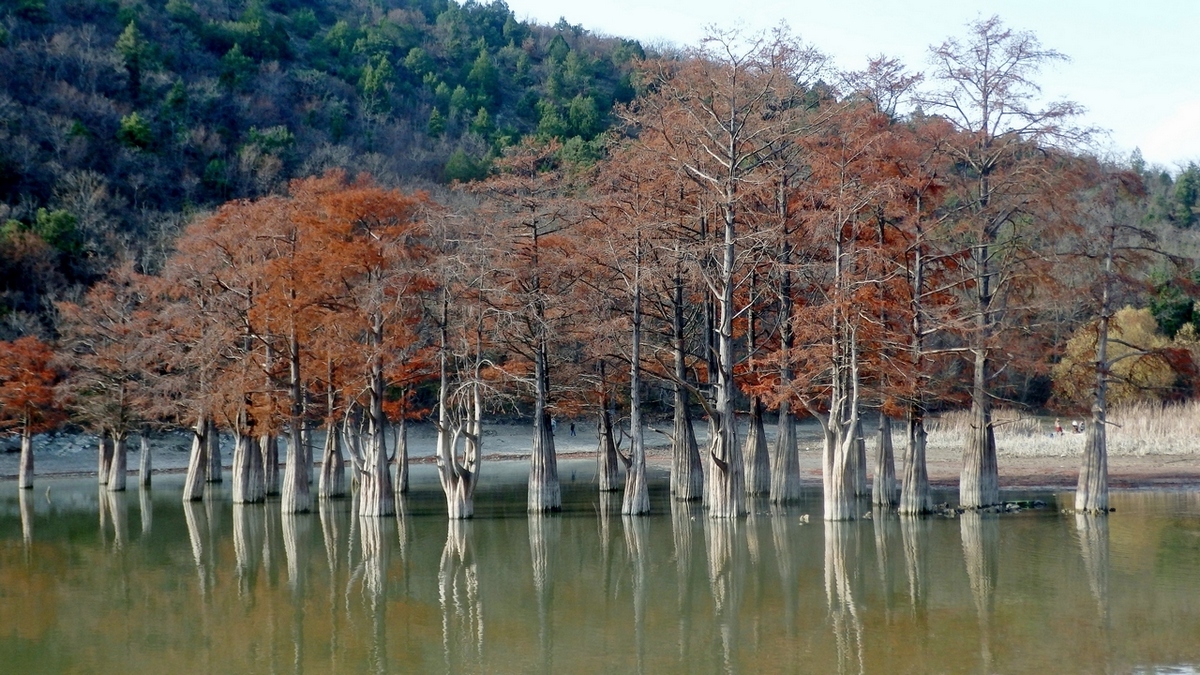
(1134, 64)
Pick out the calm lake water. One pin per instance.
(137, 582)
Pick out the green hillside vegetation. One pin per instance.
(119, 119)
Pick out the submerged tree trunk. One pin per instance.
(215, 461)
(915, 498)
(104, 461)
(247, 471)
(295, 496)
(376, 497)
(25, 475)
(861, 487)
(785, 459)
(332, 482)
(544, 491)
(884, 490)
(637, 495)
(687, 471)
(400, 457)
(145, 466)
(193, 485)
(607, 459)
(118, 470)
(268, 445)
(726, 482)
(758, 467)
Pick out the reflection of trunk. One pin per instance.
(105, 452)
(723, 577)
(884, 490)
(840, 537)
(885, 524)
(146, 510)
(687, 472)
(683, 520)
(635, 545)
(783, 539)
(25, 474)
(458, 594)
(119, 512)
(247, 470)
(1093, 546)
(145, 468)
(295, 549)
(915, 498)
(543, 539)
(981, 551)
(192, 515)
(193, 485)
(607, 459)
(915, 533)
(247, 545)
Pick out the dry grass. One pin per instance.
(1137, 429)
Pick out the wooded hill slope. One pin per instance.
(119, 119)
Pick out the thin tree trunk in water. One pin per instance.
(269, 447)
(1091, 494)
(687, 471)
(915, 498)
(758, 467)
(884, 490)
(861, 487)
(376, 497)
(400, 459)
(333, 465)
(105, 451)
(544, 491)
(726, 482)
(979, 483)
(118, 470)
(785, 459)
(193, 485)
(25, 477)
(145, 467)
(295, 496)
(213, 469)
(637, 496)
(607, 460)
(247, 471)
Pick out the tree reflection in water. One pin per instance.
(981, 550)
(247, 545)
(724, 577)
(25, 501)
(458, 594)
(194, 517)
(376, 537)
(635, 544)
(841, 541)
(683, 520)
(145, 508)
(544, 533)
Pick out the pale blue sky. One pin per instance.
(1135, 64)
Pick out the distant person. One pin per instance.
(1058, 426)
(572, 429)
(1081, 424)
(554, 426)
(1074, 426)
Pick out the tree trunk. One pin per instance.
(25, 475)
(105, 450)
(1091, 494)
(193, 485)
(544, 491)
(861, 487)
(295, 497)
(247, 471)
(215, 461)
(118, 469)
(687, 471)
(376, 497)
(785, 459)
(269, 447)
(400, 457)
(979, 483)
(915, 498)
(726, 483)
(145, 468)
(608, 464)
(333, 465)
(758, 466)
(884, 490)
(637, 496)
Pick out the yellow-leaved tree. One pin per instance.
(1139, 370)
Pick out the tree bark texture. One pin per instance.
(608, 460)
(687, 471)
(25, 474)
(884, 490)
(193, 485)
(637, 495)
(145, 463)
(785, 459)
(104, 462)
(758, 463)
(915, 498)
(247, 471)
(400, 458)
(726, 481)
(118, 468)
(544, 491)
(268, 445)
(332, 482)
(215, 461)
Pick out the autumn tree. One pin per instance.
(985, 87)
(27, 401)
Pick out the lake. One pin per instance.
(137, 582)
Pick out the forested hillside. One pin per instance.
(121, 119)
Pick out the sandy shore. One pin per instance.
(1030, 463)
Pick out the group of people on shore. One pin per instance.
(1077, 427)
